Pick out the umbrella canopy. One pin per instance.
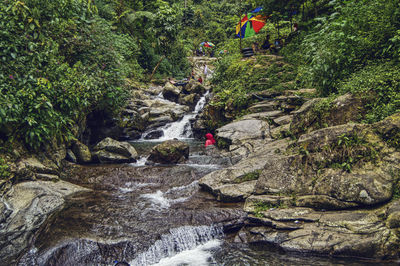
(207, 44)
(250, 24)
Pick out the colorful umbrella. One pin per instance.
(250, 24)
(207, 44)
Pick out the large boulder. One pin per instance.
(361, 233)
(170, 151)
(241, 131)
(194, 87)
(32, 168)
(189, 100)
(171, 92)
(82, 152)
(111, 151)
(238, 182)
(319, 113)
(24, 209)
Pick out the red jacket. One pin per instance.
(210, 139)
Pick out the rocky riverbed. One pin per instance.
(296, 176)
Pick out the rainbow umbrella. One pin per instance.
(250, 24)
(207, 44)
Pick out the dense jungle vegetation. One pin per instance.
(63, 59)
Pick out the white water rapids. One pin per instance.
(180, 129)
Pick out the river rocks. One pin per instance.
(189, 100)
(155, 134)
(194, 87)
(170, 151)
(239, 132)
(81, 152)
(171, 92)
(318, 113)
(112, 151)
(32, 168)
(227, 183)
(309, 194)
(346, 233)
(24, 209)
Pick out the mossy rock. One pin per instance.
(170, 152)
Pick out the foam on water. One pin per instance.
(158, 198)
(140, 162)
(199, 256)
(186, 244)
(172, 196)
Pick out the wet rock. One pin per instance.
(32, 168)
(156, 134)
(160, 108)
(330, 188)
(189, 100)
(71, 156)
(194, 87)
(238, 132)
(81, 152)
(344, 233)
(159, 121)
(225, 183)
(170, 151)
(112, 151)
(171, 92)
(264, 115)
(25, 208)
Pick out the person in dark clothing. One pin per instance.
(266, 44)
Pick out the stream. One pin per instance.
(153, 215)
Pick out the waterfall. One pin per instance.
(181, 129)
(187, 245)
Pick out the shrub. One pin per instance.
(356, 32)
(59, 62)
(379, 84)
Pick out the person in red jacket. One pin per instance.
(210, 139)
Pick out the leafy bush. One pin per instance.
(356, 32)
(380, 85)
(59, 62)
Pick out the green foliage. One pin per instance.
(356, 32)
(223, 143)
(59, 62)
(351, 149)
(379, 84)
(248, 177)
(4, 169)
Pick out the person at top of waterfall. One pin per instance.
(209, 139)
(205, 71)
(200, 80)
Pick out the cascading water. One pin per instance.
(186, 245)
(181, 129)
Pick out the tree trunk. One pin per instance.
(155, 69)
